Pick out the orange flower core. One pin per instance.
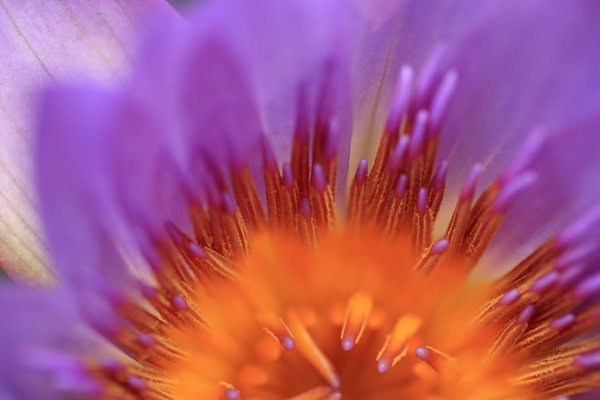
(277, 297)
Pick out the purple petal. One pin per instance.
(78, 200)
(236, 73)
(37, 323)
(521, 65)
(44, 41)
(394, 33)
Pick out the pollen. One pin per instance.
(286, 292)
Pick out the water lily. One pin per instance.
(208, 243)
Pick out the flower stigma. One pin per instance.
(277, 295)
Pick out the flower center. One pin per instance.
(351, 319)
(276, 297)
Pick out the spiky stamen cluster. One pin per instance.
(279, 298)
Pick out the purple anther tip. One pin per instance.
(146, 340)
(151, 256)
(332, 140)
(401, 98)
(510, 297)
(468, 189)
(147, 291)
(228, 204)
(269, 160)
(112, 365)
(575, 256)
(137, 383)
(576, 231)
(319, 182)
(439, 178)
(526, 155)
(418, 134)
(398, 155)
(304, 207)
(441, 100)
(428, 75)
(545, 282)
(361, 171)
(347, 344)
(422, 353)
(232, 394)
(287, 176)
(511, 189)
(197, 250)
(439, 247)
(526, 314)
(401, 186)
(588, 287)
(422, 201)
(570, 276)
(383, 366)
(288, 343)
(179, 303)
(562, 322)
(589, 361)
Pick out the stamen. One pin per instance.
(588, 287)
(575, 256)
(275, 326)
(435, 359)
(319, 393)
(427, 77)
(525, 157)
(309, 349)
(561, 323)
(441, 101)
(432, 256)
(396, 344)
(357, 314)
(228, 392)
(511, 189)
(417, 136)
(401, 98)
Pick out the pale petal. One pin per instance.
(46, 41)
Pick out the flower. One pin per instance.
(196, 213)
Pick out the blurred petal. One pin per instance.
(541, 71)
(78, 201)
(394, 33)
(46, 41)
(250, 59)
(35, 321)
